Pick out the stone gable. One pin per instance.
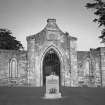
(51, 37)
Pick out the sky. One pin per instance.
(28, 17)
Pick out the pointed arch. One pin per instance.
(13, 72)
(55, 49)
(57, 54)
(51, 64)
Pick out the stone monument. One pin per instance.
(52, 87)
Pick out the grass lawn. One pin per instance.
(34, 96)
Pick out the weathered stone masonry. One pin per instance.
(77, 68)
(7, 75)
(51, 37)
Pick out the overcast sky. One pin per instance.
(27, 17)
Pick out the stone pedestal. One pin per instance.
(52, 96)
(52, 87)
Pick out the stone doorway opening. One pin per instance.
(51, 64)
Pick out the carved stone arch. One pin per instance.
(59, 55)
(13, 70)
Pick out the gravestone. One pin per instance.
(52, 87)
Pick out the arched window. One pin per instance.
(87, 71)
(13, 73)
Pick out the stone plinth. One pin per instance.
(52, 87)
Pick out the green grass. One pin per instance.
(34, 96)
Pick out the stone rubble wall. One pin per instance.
(73, 58)
(82, 59)
(103, 66)
(95, 66)
(96, 58)
(5, 58)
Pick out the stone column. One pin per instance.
(73, 56)
(31, 62)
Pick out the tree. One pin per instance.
(99, 7)
(7, 41)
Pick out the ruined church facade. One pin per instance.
(52, 51)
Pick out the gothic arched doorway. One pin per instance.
(51, 64)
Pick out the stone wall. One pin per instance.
(102, 64)
(6, 57)
(83, 57)
(96, 58)
(73, 62)
(95, 66)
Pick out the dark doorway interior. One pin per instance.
(51, 64)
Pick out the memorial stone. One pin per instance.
(52, 87)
